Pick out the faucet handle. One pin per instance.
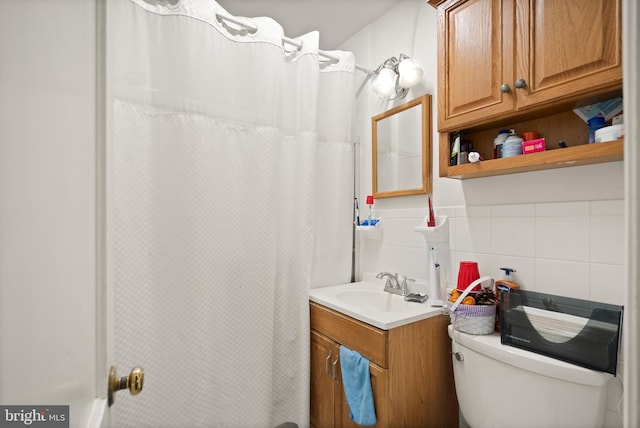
(404, 285)
(401, 281)
(389, 283)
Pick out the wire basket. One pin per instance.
(473, 319)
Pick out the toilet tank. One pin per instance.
(502, 386)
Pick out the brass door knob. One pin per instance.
(133, 382)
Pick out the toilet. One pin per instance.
(502, 386)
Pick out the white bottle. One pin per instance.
(498, 142)
(512, 145)
(434, 273)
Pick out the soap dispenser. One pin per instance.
(504, 285)
(507, 284)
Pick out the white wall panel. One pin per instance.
(47, 202)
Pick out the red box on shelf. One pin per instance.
(533, 146)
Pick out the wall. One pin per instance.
(562, 230)
(47, 200)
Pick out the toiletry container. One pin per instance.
(455, 148)
(594, 124)
(498, 142)
(550, 392)
(609, 133)
(504, 285)
(512, 145)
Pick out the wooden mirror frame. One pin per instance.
(427, 180)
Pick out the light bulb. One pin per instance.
(385, 83)
(410, 73)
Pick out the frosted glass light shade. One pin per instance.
(385, 83)
(410, 73)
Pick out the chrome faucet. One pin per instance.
(393, 284)
(392, 279)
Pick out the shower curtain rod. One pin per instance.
(252, 29)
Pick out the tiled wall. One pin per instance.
(574, 249)
(561, 229)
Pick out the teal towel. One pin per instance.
(357, 386)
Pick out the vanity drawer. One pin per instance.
(369, 341)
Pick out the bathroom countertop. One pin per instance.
(367, 302)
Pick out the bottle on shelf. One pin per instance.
(498, 142)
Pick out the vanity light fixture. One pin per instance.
(393, 78)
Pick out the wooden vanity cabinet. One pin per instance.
(410, 368)
(511, 63)
(328, 404)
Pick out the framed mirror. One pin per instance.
(401, 144)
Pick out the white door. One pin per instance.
(54, 347)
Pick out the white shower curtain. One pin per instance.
(231, 190)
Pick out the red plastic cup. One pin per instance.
(467, 274)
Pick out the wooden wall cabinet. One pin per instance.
(504, 62)
(410, 368)
(500, 57)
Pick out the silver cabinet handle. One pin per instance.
(521, 83)
(326, 363)
(505, 88)
(333, 368)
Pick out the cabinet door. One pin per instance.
(475, 51)
(379, 389)
(567, 48)
(323, 354)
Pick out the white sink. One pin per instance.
(367, 302)
(373, 299)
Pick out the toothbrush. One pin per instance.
(431, 222)
(369, 202)
(357, 212)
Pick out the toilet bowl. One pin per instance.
(503, 386)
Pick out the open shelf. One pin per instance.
(584, 154)
(371, 232)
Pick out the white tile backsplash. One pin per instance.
(607, 208)
(607, 283)
(562, 209)
(394, 231)
(410, 237)
(415, 261)
(473, 211)
(513, 236)
(562, 277)
(522, 210)
(574, 249)
(562, 238)
(607, 239)
(473, 234)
